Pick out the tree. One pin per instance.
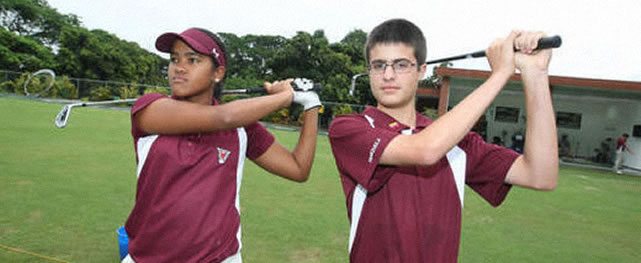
(434, 81)
(34, 35)
(36, 19)
(249, 58)
(20, 53)
(353, 45)
(42, 37)
(98, 54)
(310, 56)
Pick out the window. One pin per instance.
(568, 120)
(506, 114)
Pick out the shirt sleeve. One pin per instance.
(258, 139)
(140, 104)
(488, 165)
(357, 149)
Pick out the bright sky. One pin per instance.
(601, 39)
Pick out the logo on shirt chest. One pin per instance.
(223, 154)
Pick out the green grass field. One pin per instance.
(64, 192)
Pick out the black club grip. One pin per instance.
(549, 42)
(544, 43)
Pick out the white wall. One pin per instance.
(600, 118)
(633, 160)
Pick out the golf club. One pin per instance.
(45, 72)
(299, 84)
(544, 43)
(63, 116)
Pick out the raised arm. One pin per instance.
(430, 145)
(537, 168)
(296, 164)
(627, 148)
(169, 116)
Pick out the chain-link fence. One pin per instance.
(8, 75)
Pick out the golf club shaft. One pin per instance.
(262, 90)
(544, 43)
(82, 104)
(230, 91)
(62, 118)
(254, 90)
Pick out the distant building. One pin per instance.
(587, 110)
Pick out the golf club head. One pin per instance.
(63, 116)
(353, 86)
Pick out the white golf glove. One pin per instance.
(309, 99)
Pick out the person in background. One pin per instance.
(604, 152)
(565, 146)
(621, 147)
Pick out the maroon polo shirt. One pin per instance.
(187, 197)
(621, 144)
(413, 213)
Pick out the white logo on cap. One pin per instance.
(213, 51)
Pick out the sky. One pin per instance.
(601, 39)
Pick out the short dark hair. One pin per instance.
(218, 87)
(398, 31)
(626, 135)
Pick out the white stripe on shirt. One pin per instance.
(144, 146)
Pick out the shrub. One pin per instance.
(18, 85)
(128, 92)
(228, 98)
(64, 88)
(101, 93)
(156, 89)
(61, 88)
(279, 117)
(431, 113)
(7, 86)
(341, 109)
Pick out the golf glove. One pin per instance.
(309, 99)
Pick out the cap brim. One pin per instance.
(165, 42)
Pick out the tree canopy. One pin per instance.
(34, 35)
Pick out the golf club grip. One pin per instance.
(544, 43)
(254, 90)
(549, 42)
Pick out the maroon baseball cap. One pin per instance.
(198, 40)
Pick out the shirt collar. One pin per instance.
(381, 119)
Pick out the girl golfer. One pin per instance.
(190, 152)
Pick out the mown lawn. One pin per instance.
(64, 192)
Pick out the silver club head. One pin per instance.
(63, 116)
(353, 86)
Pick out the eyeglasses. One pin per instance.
(398, 65)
